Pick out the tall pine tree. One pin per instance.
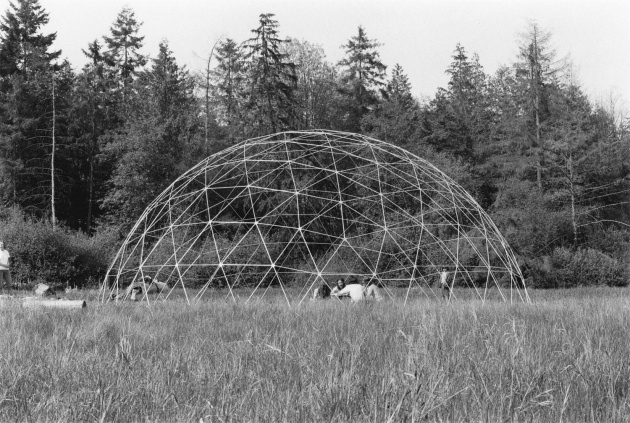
(458, 116)
(123, 48)
(27, 76)
(362, 79)
(272, 80)
(537, 75)
(230, 78)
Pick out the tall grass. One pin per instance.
(566, 357)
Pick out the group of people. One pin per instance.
(146, 284)
(368, 288)
(350, 288)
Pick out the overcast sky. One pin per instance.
(419, 34)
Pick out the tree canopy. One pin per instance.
(550, 165)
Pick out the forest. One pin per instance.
(84, 151)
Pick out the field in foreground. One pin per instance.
(565, 357)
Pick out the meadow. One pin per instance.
(564, 357)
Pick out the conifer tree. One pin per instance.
(537, 74)
(397, 118)
(24, 49)
(459, 116)
(123, 46)
(467, 88)
(362, 79)
(95, 114)
(272, 80)
(230, 76)
(27, 71)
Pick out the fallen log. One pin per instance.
(33, 302)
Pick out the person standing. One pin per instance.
(5, 274)
(446, 289)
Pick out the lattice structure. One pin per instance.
(295, 209)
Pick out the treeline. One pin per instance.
(85, 151)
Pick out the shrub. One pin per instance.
(586, 266)
(56, 257)
(612, 241)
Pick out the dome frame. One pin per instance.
(300, 208)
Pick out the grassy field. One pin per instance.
(565, 357)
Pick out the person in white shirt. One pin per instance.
(152, 284)
(5, 274)
(359, 292)
(446, 289)
(355, 291)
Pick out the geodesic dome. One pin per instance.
(296, 209)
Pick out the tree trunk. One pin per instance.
(93, 148)
(539, 150)
(206, 123)
(573, 216)
(53, 216)
(536, 84)
(207, 105)
(90, 197)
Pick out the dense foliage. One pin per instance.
(84, 151)
(41, 254)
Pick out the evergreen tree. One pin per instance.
(95, 115)
(577, 178)
(272, 80)
(150, 150)
(459, 116)
(123, 46)
(23, 48)
(27, 75)
(467, 87)
(362, 78)
(230, 76)
(537, 75)
(397, 118)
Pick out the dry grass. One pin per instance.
(563, 358)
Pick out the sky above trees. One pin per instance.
(419, 35)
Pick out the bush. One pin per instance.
(55, 257)
(612, 241)
(584, 267)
